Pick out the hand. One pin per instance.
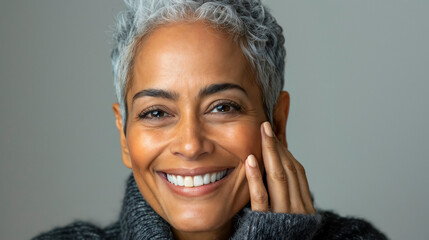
(287, 184)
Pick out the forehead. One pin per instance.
(189, 55)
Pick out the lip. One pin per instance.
(194, 191)
(194, 171)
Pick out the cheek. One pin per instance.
(240, 139)
(144, 146)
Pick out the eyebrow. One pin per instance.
(215, 88)
(156, 93)
(212, 89)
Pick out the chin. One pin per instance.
(206, 217)
(199, 222)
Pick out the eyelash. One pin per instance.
(236, 108)
(144, 114)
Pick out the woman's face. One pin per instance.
(194, 114)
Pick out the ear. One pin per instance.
(124, 146)
(281, 112)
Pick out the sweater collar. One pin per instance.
(138, 220)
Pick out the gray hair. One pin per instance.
(248, 21)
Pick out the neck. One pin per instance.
(224, 232)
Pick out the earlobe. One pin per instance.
(124, 146)
(281, 112)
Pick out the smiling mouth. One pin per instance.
(196, 180)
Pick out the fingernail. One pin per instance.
(267, 129)
(251, 160)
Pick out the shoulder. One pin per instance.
(81, 230)
(333, 226)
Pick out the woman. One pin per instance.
(201, 118)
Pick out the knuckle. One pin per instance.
(260, 197)
(279, 176)
(271, 146)
(291, 167)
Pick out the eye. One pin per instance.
(222, 108)
(153, 114)
(225, 106)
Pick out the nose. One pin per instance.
(190, 141)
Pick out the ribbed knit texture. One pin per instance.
(139, 221)
(261, 225)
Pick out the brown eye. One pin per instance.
(226, 106)
(157, 114)
(222, 108)
(153, 114)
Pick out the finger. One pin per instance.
(288, 165)
(297, 204)
(258, 193)
(303, 184)
(277, 179)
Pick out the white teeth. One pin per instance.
(174, 179)
(220, 175)
(213, 177)
(189, 182)
(180, 180)
(197, 180)
(207, 178)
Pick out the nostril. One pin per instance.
(190, 142)
(190, 155)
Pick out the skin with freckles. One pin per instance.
(193, 105)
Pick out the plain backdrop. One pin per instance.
(357, 73)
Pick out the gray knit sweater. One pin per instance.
(139, 221)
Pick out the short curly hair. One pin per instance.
(248, 21)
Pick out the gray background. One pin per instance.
(356, 71)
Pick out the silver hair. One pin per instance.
(248, 21)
